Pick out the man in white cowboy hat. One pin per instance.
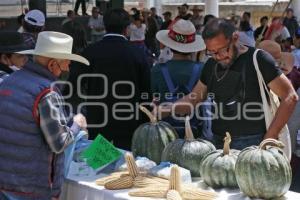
(229, 78)
(181, 73)
(34, 130)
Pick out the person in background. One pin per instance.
(206, 20)
(180, 74)
(235, 20)
(290, 22)
(296, 51)
(167, 20)
(263, 23)
(20, 20)
(70, 17)
(115, 58)
(197, 18)
(83, 7)
(134, 11)
(10, 60)
(137, 31)
(32, 158)
(152, 29)
(284, 60)
(246, 17)
(277, 31)
(287, 45)
(184, 12)
(153, 13)
(33, 24)
(246, 36)
(96, 25)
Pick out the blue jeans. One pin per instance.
(10, 196)
(238, 143)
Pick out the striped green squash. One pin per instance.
(218, 167)
(188, 152)
(150, 139)
(263, 171)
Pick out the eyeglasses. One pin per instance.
(221, 52)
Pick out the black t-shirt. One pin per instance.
(236, 91)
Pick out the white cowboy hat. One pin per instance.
(181, 37)
(55, 45)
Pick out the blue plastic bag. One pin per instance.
(80, 143)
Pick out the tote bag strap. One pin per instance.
(270, 108)
(263, 89)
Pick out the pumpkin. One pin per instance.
(263, 171)
(188, 152)
(217, 168)
(150, 139)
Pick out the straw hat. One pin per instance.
(55, 45)
(284, 59)
(181, 37)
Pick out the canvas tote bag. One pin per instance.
(270, 107)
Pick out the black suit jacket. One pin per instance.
(122, 83)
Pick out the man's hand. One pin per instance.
(80, 120)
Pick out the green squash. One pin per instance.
(263, 171)
(188, 152)
(217, 168)
(150, 139)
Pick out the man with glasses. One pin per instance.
(230, 79)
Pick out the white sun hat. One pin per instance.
(55, 45)
(181, 37)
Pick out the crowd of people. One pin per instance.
(135, 58)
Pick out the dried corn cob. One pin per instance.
(120, 183)
(131, 165)
(197, 194)
(148, 181)
(112, 176)
(158, 179)
(104, 180)
(173, 195)
(150, 192)
(175, 179)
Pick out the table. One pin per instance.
(84, 188)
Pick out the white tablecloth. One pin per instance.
(81, 188)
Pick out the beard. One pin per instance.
(232, 59)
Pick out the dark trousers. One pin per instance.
(83, 6)
(239, 143)
(295, 163)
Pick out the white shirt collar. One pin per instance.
(115, 35)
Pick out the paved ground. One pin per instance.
(52, 9)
